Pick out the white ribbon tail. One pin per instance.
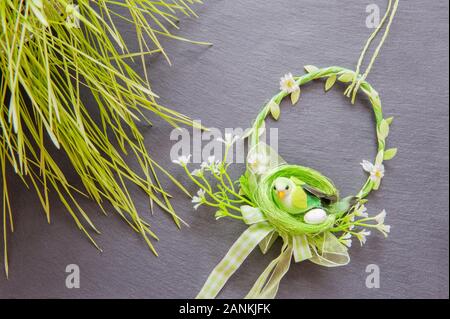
(266, 287)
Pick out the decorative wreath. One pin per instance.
(293, 202)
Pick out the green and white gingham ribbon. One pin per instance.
(323, 249)
(233, 259)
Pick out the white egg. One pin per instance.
(315, 216)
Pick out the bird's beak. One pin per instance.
(281, 194)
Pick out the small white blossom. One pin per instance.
(201, 193)
(347, 236)
(210, 162)
(198, 200)
(229, 140)
(376, 171)
(182, 160)
(197, 172)
(362, 236)
(211, 165)
(288, 84)
(347, 242)
(352, 226)
(384, 228)
(380, 217)
(361, 211)
(346, 239)
(258, 162)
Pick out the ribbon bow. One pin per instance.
(323, 249)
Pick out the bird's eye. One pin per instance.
(287, 187)
(274, 187)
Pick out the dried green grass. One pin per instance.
(45, 62)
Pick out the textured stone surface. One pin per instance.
(255, 42)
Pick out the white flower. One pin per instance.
(347, 236)
(288, 84)
(211, 165)
(229, 140)
(352, 226)
(362, 236)
(197, 172)
(361, 211)
(259, 162)
(201, 193)
(182, 160)
(347, 242)
(376, 171)
(385, 229)
(380, 217)
(198, 200)
(73, 12)
(212, 161)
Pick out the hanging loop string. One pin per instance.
(358, 79)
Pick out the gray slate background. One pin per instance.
(255, 42)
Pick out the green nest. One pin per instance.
(50, 52)
(287, 223)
